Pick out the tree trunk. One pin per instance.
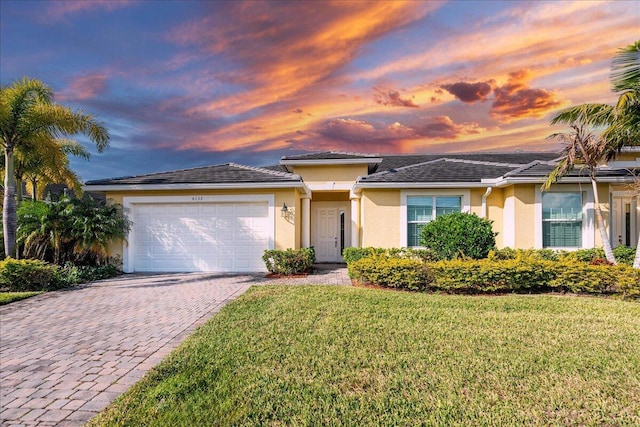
(636, 261)
(604, 236)
(19, 192)
(9, 208)
(34, 189)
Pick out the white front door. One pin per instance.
(624, 224)
(327, 237)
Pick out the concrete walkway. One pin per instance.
(65, 355)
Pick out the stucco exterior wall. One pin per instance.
(495, 206)
(343, 174)
(380, 214)
(524, 217)
(287, 230)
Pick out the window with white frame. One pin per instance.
(422, 209)
(562, 220)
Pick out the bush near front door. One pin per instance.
(291, 261)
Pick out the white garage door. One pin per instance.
(218, 237)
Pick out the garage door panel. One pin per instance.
(200, 237)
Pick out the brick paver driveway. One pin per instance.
(65, 355)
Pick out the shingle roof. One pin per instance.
(521, 158)
(225, 173)
(543, 169)
(442, 170)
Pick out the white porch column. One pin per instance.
(306, 222)
(355, 222)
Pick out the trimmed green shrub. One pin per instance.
(290, 261)
(354, 254)
(509, 253)
(27, 275)
(585, 255)
(400, 273)
(459, 235)
(478, 276)
(629, 287)
(593, 278)
(624, 254)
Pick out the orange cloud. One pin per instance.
(283, 56)
(515, 100)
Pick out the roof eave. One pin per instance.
(474, 184)
(332, 162)
(497, 182)
(194, 186)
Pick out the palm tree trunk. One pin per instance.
(9, 208)
(34, 196)
(19, 192)
(604, 236)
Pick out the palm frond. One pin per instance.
(625, 68)
(596, 115)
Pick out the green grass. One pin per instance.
(7, 297)
(351, 356)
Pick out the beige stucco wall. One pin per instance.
(524, 206)
(380, 226)
(381, 215)
(343, 174)
(495, 206)
(287, 230)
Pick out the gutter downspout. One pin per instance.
(485, 210)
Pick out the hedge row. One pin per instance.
(33, 275)
(521, 275)
(532, 276)
(623, 254)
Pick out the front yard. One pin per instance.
(318, 355)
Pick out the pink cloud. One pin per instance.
(391, 97)
(84, 87)
(59, 10)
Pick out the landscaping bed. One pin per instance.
(315, 355)
(503, 271)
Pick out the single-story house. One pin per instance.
(221, 218)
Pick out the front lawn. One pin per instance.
(351, 356)
(7, 297)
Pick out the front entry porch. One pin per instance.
(332, 224)
(625, 218)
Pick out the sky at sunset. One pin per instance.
(183, 84)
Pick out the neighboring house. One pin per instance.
(221, 218)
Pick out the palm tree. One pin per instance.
(70, 229)
(48, 163)
(28, 116)
(582, 149)
(621, 122)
